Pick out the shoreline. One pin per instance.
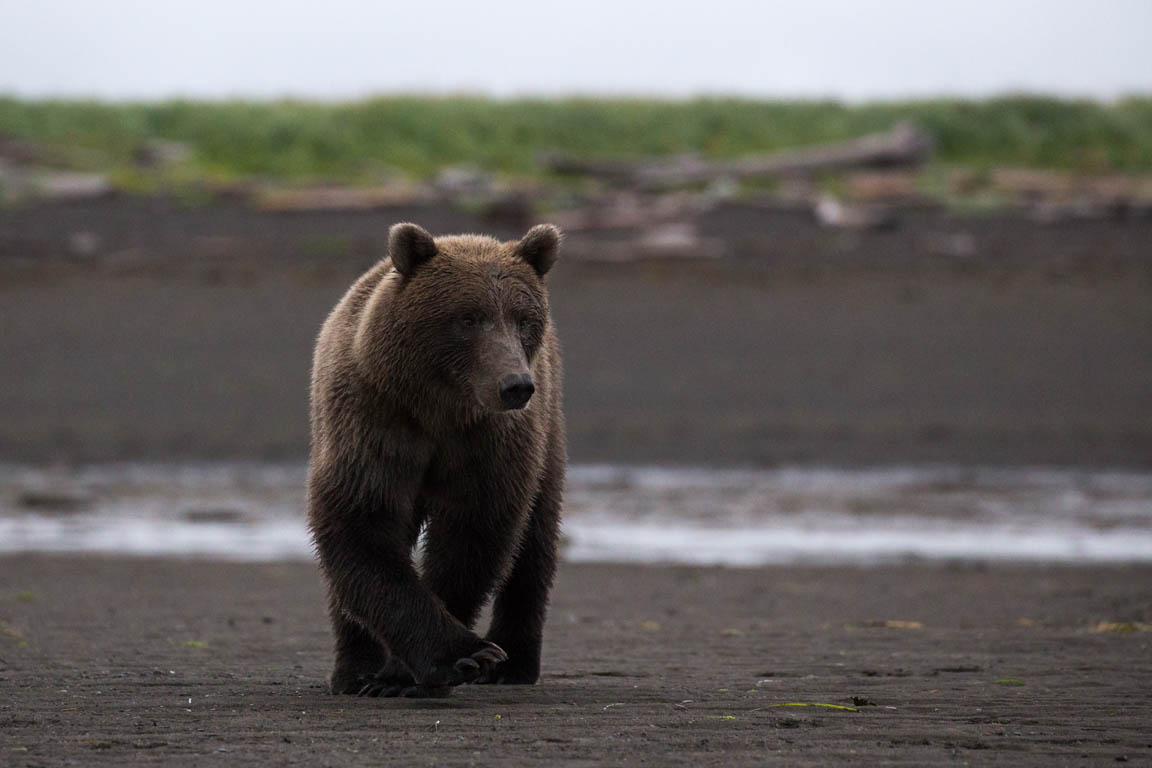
(797, 515)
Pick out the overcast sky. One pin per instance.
(849, 49)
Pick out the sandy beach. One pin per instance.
(186, 662)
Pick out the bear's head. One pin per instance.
(465, 317)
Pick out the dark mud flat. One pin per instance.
(143, 329)
(192, 663)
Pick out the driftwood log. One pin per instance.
(903, 145)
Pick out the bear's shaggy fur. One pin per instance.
(436, 406)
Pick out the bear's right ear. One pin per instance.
(409, 246)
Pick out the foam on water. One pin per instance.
(615, 513)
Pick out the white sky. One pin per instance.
(850, 49)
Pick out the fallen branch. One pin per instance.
(903, 145)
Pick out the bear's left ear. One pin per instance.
(540, 247)
(409, 246)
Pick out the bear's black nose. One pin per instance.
(516, 390)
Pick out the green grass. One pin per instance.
(360, 142)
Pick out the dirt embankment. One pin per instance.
(143, 329)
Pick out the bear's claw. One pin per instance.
(392, 682)
(480, 664)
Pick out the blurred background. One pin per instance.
(843, 282)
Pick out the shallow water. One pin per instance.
(616, 513)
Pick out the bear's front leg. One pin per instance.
(364, 548)
(404, 616)
(522, 604)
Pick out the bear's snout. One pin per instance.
(516, 390)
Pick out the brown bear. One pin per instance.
(436, 407)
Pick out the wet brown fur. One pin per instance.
(408, 434)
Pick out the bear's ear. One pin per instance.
(409, 246)
(540, 247)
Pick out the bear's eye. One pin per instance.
(470, 319)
